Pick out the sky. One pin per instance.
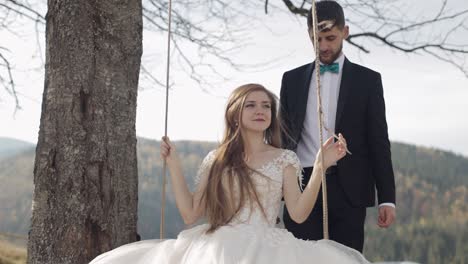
(426, 99)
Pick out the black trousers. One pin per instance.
(345, 223)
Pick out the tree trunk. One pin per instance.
(85, 172)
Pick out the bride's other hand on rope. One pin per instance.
(300, 204)
(187, 202)
(168, 150)
(334, 151)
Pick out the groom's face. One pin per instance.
(331, 43)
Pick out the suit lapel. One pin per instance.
(344, 91)
(304, 92)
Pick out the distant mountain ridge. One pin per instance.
(11, 146)
(432, 205)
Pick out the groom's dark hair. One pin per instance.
(328, 10)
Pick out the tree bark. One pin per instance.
(85, 172)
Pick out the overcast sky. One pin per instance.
(426, 99)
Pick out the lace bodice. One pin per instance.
(269, 187)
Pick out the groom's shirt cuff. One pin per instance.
(387, 204)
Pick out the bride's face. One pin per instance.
(256, 113)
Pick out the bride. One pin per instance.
(239, 191)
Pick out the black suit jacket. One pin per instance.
(360, 118)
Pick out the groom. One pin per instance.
(353, 104)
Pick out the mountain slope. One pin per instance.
(11, 147)
(432, 208)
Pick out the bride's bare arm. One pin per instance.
(301, 204)
(188, 204)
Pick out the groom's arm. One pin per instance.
(379, 144)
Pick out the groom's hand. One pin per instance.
(386, 216)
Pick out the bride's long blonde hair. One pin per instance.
(229, 168)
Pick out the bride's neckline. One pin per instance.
(262, 167)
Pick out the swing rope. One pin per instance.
(319, 111)
(164, 169)
(320, 117)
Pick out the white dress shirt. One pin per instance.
(309, 144)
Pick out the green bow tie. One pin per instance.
(333, 68)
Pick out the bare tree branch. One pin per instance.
(387, 23)
(152, 77)
(208, 32)
(393, 44)
(436, 19)
(23, 10)
(296, 10)
(13, 12)
(460, 67)
(9, 84)
(193, 31)
(212, 44)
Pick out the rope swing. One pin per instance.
(319, 110)
(163, 193)
(320, 117)
(318, 27)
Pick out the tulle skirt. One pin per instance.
(240, 244)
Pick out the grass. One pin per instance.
(10, 254)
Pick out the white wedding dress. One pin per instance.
(250, 238)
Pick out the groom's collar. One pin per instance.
(340, 60)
